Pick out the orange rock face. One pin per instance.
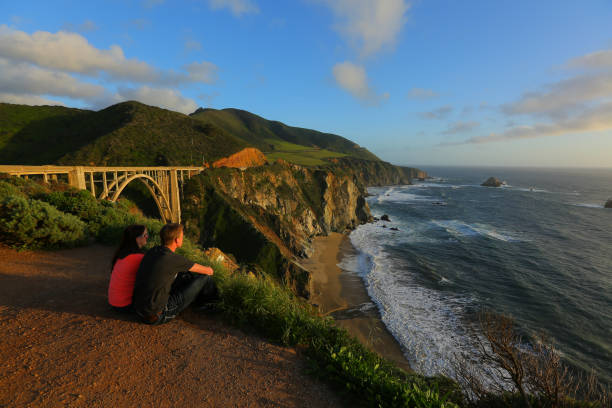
(249, 157)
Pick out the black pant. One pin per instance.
(188, 288)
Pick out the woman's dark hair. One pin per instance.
(128, 242)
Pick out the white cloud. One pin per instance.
(370, 25)
(422, 94)
(595, 60)
(353, 79)
(237, 7)
(26, 99)
(440, 113)
(560, 98)
(162, 97)
(595, 119)
(24, 78)
(72, 52)
(460, 127)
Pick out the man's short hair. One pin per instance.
(170, 232)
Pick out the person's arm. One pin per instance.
(201, 269)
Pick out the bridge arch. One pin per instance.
(162, 202)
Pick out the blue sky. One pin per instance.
(518, 83)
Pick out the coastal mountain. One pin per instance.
(128, 133)
(132, 133)
(275, 138)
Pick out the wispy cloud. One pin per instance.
(369, 25)
(579, 103)
(460, 127)
(139, 23)
(561, 98)
(162, 97)
(237, 7)
(353, 78)
(422, 94)
(439, 114)
(192, 45)
(596, 119)
(26, 99)
(85, 27)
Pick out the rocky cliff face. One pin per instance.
(268, 215)
(376, 173)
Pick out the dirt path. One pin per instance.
(60, 345)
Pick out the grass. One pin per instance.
(298, 154)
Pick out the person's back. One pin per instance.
(166, 283)
(156, 273)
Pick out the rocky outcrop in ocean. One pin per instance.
(492, 182)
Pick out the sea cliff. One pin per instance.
(269, 215)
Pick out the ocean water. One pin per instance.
(539, 249)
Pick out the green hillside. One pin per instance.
(278, 140)
(131, 133)
(128, 133)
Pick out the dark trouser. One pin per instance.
(188, 288)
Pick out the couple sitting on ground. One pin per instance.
(158, 284)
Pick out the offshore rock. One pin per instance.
(492, 182)
(385, 217)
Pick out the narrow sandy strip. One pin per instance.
(343, 296)
(60, 345)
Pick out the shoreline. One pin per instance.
(343, 295)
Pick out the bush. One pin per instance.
(30, 223)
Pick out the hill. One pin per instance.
(128, 133)
(278, 140)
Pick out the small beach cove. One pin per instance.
(63, 346)
(344, 297)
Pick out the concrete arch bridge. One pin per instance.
(107, 183)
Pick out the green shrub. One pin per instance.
(30, 223)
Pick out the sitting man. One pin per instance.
(166, 283)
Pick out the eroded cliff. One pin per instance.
(268, 215)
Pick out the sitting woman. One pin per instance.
(124, 267)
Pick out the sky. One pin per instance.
(424, 82)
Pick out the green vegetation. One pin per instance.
(269, 136)
(34, 215)
(297, 154)
(131, 133)
(128, 133)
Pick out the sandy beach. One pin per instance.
(342, 296)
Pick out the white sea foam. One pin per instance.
(400, 195)
(461, 229)
(588, 205)
(425, 322)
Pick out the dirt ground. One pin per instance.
(61, 345)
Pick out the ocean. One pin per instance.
(538, 249)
